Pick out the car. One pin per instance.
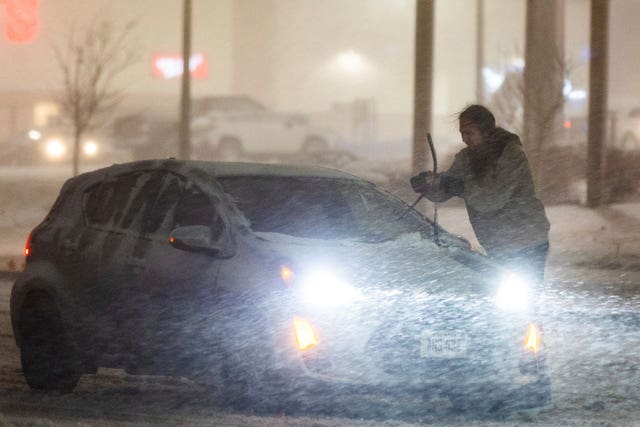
(630, 130)
(146, 135)
(51, 146)
(237, 126)
(268, 282)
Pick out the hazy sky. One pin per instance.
(301, 63)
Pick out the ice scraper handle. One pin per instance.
(433, 154)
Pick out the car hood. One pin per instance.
(406, 264)
(373, 302)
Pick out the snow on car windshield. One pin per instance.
(321, 208)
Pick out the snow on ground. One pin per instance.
(595, 375)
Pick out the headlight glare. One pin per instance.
(90, 148)
(323, 288)
(514, 293)
(55, 148)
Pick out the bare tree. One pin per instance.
(508, 105)
(507, 102)
(90, 61)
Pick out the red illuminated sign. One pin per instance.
(169, 66)
(22, 23)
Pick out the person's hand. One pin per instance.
(423, 181)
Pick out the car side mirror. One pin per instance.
(194, 238)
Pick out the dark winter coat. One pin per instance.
(498, 191)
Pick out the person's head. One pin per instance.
(476, 123)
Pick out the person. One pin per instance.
(492, 175)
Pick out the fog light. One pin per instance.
(532, 341)
(305, 335)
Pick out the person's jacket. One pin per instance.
(498, 191)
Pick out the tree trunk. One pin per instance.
(77, 135)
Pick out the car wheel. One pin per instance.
(314, 144)
(205, 151)
(230, 149)
(50, 360)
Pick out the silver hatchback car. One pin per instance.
(267, 283)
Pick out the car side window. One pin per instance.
(196, 208)
(96, 203)
(154, 214)
(143, 198)
(105, 202)
(124, 187)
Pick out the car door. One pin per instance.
(168, 287)
(119, 271)
(97, 249)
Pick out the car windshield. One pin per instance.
(321, 208)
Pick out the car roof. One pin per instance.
(226, 169)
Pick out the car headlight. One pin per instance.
(55, 148)
(320, 287)
(34, 135)
(90, 148)
(513, 293)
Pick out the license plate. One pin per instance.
(443, 344)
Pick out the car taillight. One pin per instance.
(27, 246)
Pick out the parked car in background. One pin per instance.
(50, 146)
(232, 127)
(272, 285)
(629, 125)
(146, 135)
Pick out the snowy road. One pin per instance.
(593, 337)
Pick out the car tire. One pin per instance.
(230, 149)
(49, 356)
(205, 150)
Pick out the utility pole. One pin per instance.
(422, 92)
(543, 79)
(185, 96)
(598, 88)
(479, 51)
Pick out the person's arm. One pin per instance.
(511, 171)
(440, 187)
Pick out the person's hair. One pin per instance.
(479, 116)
